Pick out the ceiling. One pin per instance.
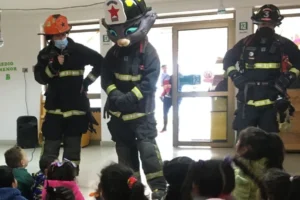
(34, 4)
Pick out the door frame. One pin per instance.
(226, 23)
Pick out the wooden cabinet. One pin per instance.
(291, 137)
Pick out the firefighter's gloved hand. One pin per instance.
(284, 82)
(238, 79)
(106, 113)
(126, 101)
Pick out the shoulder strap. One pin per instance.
(143, 45)
(248, 40)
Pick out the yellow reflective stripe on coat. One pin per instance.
(137, 93)
(128, 117)
(154, 175)
(264, 66)
(295, 70)
(110, 88)
(92, 77)
(133, 116)
(67, 113)
(48, 72)
(116, 114)
(230, 69)
(71, 73)
(127, 77)
(259, 103)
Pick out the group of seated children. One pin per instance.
(254, 173)
(54, 181)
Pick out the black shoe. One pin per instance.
(158, 195)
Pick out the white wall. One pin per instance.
(22, 45)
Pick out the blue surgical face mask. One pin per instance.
(61, 44)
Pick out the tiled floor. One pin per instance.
(96, 157)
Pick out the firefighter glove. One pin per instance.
(284, 82)
(106, 113)
(126, 101)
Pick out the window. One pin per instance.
(88, 35)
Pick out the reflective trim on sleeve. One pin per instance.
(259, 103)
(295, 70)
(110, 88)
(137, 93)
(92, 77)
(67, 113)
(48, 72)
(230, 69)
(127, 77)
(71, 73)
(154, 175)
(264, 66)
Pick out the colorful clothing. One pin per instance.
(245, 188)
(25, 181)
(38, 185)
(72, 185)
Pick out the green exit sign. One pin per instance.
(243, 26)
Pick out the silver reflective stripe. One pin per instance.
(48, 72)
(71, 73)
(127, 77)
(67, 113)
(92, 77)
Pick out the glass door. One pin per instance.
(203, 99)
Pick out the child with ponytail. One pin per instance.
(256, 152)
(279, 185)
(118, 183)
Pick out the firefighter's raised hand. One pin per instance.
(61, 59)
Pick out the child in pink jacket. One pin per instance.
(62, 174)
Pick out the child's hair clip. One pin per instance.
(131, 181)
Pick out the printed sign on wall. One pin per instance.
(7, 66)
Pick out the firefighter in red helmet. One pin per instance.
(261, 78)
(60, 66)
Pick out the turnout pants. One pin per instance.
(137, 137)
(57, 129)
(264, 117)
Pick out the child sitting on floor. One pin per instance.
(61, 174)
(16, 159)
(208, 180)
(117, 182)
(40, 176)
(279, 185)
(256, 152)
(175, 172)
(8, 185)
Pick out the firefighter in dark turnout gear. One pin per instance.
(60, 66)
(129, 78)
(261, 79)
